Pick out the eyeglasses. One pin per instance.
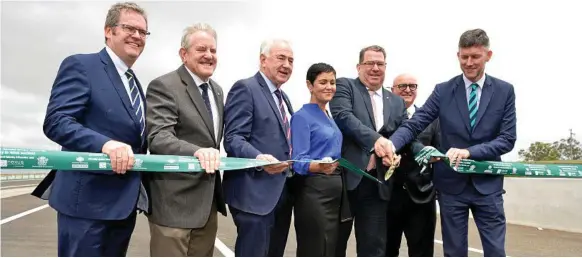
(411, 86)
(131, 30)
(372, 63)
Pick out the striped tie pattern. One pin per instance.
(284, 117)
(136, 100)
(473, 105)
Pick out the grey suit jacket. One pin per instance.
(352, 111)
(178, 123)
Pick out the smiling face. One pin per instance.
(200, 56)
(323, 88)
(372, 69)
(127, 38)
(277, 64)
(472, 61)
(405, 86)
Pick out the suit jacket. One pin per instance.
(418, 182)
(253, 126)
(179, 124)
(89, 106)
(352, 110)
(493, 135)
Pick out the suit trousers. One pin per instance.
(416, 221)
(489, 216)
(197, 242)
(369, 213)
(93, 238)
(264, 235)
(317, 214)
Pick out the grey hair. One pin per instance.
(476, 37)
(269, 43)
(115, 12)
(195, 28)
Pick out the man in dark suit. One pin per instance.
(97, 105)
(256, 119)
(412, 207)
(367, 114)
(184, 117)
(476, 112)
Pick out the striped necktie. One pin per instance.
(136, 101)
(473, 104)
(284, 117)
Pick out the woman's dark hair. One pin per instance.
(317, 69)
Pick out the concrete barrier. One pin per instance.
(552, 203)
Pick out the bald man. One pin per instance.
(412, 207)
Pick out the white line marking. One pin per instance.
(20, 215)
(223, 248)
(16, 186)
(16, 192)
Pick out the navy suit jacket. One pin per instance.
(89, 106)
(253, 126)
(493, 135)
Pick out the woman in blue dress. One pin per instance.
(318, 196)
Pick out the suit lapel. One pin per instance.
(386, 103)
(364, 91)
(118, 85)
(487, 91)
(196, 98)
(270, 99)
(461, 98)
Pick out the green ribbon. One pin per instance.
(17, 158)
(513, 169)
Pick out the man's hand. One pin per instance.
(384, 149)
(328, 168)
(120, 154)
(456, 155)
(275, 168)
(209, 159)
(391, 162)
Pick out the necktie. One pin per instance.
(473, 105)
(372, 161)
(204, 87)
(284, 117)
(136, 100)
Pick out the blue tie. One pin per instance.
(204, 87)
(136, 101)
(473, 104)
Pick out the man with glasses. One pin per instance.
(412, 207)
(97, 105)
(367, 114)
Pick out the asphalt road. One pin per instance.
(35, 234)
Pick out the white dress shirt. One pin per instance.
(213, 105)
(480, 82)
(379, 114)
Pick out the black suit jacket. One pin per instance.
(352, 110)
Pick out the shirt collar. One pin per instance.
(271, 86)
(480, 82)
(119, 64)
(197, 79)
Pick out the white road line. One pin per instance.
(223, 248)
(22, 214)
(16, 186)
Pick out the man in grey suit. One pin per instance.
(184, 117)
(367, 114)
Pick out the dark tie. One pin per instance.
(473, 104)
(204, 87)
(136, 101)
(284, 117)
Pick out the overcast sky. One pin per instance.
(535, 47)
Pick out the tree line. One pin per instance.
(565, 149)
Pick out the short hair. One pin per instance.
(375, 48)
(269, 43)
(195, 28)
(475, 37)
(115, 12)
(317, 69)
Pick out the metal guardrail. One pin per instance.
(13, 177)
